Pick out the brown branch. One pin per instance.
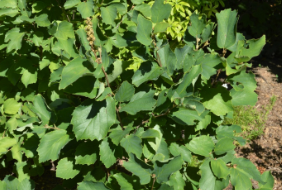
(153, 181)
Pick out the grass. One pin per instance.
(251, 120)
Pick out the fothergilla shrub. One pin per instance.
(91, 89)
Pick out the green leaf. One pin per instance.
(223, 146)
(219, 168)
(29, 76)
(240, 179)
(137, 2)
(117, 134)
(186, 116)
(83, 38)
(207, 180)
(144, 29)
(11, 106)
(38, 6)
(226, 29)
(64, 31)
(77, 68)
(132, 144)
(123, 181)
(253, 50)
(163, 170)
(125, 92)
(161, 27)
(217, 100)
(14, 37)
(147, 71)
(42, 110)
(42, 20)
(30, 145)
(268, 178)
(246, 166)
(197, 26)
(176, 150)
(202, 145)
(9, 3)
(16, 152)
(109, 14)
(187, 80)
(88, 185)
(92, 119)
(141, 101)
(6, 143)
(138, 168)
(168, 59)
(107, 153)
(86, 153)
(71, 3)
(66, 168)
(160, 11)
(176, 181)
(51, 144)
(26, 184)
(8, 12)
(86, 9)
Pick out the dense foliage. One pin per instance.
(92, 88)
(261, 17)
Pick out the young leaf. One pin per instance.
(14, 37)
(11, 106)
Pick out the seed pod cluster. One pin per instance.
(89, 31)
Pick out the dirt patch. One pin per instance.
(266, 151)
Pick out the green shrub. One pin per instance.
(91, 87)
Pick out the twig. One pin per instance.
(167, 112)
(143, 122)
(117, 110)
(4, 133)
(63, 10)
(153, 182)
(158, 56)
